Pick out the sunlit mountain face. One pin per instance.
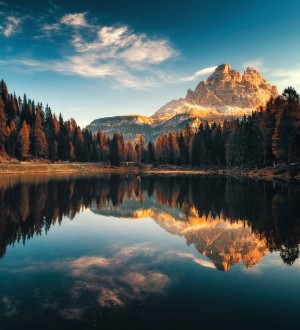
(227, 220)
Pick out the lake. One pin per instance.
(148, 252)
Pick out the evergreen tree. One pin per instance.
(287, 138)
(150, 153)
(4, 130)
(40, 148)
(174, 149)
(62, 140)
(4, 92)
(12, 140)
(71, 155)
(23, 141)
(114, 156)
(188, 136)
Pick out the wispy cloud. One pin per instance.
(115, 286)
(287, 77)
(255, 64)
(115, 52)
(10, 26)
(114, 280)
(112, 42)
(199, 261)
(199, 73)
(75, 20)
(51, 27)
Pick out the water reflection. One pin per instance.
(227, 219)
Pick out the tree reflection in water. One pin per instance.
(269, 211)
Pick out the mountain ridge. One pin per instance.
(223, 95)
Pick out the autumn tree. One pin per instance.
(131, 152)
(23, 141)
(71, 155)
(174, 154)
(12, 139)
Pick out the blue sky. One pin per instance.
(91, 59)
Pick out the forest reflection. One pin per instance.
(262, 216)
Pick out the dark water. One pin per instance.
(130, 252)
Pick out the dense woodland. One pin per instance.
(272, 133)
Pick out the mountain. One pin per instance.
(127, 125)
(225, 94)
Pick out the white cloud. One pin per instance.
(125, 45)
(51, 27)
(86, 66)
(199, 261)
(114, 52)
(148, 51)
(255, 64)
(199, 73)
(287, 77)
(76, 20)
(109, 35)
(10, 26)
(123, 279)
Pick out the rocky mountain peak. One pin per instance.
(227, 88)
(223, 74)
(223, 68)
(226, 93)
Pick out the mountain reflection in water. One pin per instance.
(227, 219)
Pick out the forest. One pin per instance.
(28, 131)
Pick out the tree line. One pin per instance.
(272, 133)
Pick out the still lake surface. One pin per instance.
(148, 252)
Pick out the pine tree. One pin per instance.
(150, 153)
(40, 148)
(62, 140)
(4, 92)
(131, 152)
(4, 130)
(12, 140)
(71, 155)
(23, 141)
(188, 137)
(114, 156)
(198, 155)
(287, 138)
(174, 149)
(267, 127)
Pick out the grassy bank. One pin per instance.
(267, 173)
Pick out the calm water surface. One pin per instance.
(131, 252)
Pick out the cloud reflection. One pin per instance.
(117, 279)
(198, 261)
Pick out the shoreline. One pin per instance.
(28, 168)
